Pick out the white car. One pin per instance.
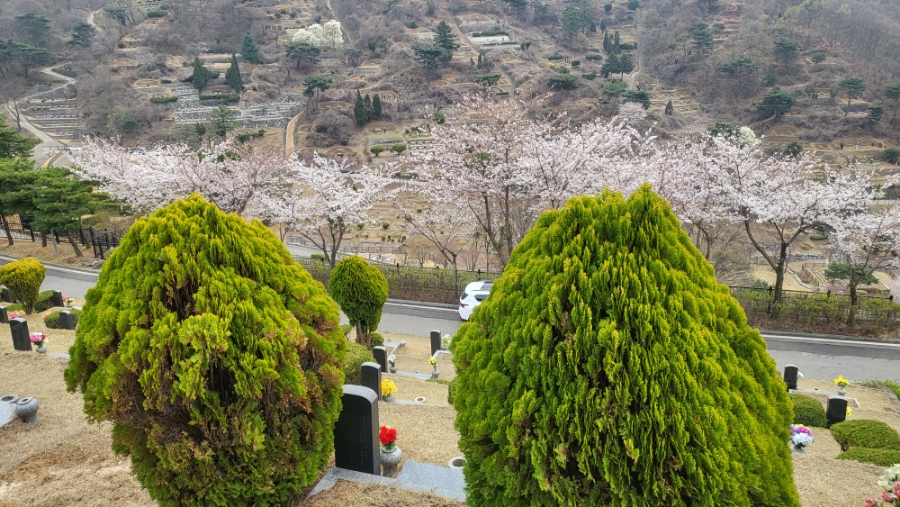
(475, 293)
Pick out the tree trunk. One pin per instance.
(362, 335)
(852, 316)
(75, 246)
(44, 240)
(9, 237)
(781, 267)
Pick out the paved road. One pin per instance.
(820, 358)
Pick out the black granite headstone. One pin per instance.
(4, 316)
(6, 295)
(435, 341)
(836, 411)
(371, 377)
(57, 298)
(21, 339)
(66, 320)
(790, 376)
(380, 354)
(356, 445)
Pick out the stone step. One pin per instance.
(441, 481)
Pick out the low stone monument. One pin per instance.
(790, 376)
(21, 339)
(371, 377)
(836, 411)
(66, 320)
(435, 341)
(6, 295)
(356, 445)
(57, 298)
(4, 316)
(380, 354)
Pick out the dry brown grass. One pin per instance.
(365, 495)
(29, 249)
(413, 357)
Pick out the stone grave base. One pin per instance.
(440, 481)
(822, 396)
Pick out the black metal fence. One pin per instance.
(99, 240)
(413, 283)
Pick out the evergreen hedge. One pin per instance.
(215, 356)
(24, 278)
(808, 411)
(880, 457)
(608, 367)
(361, 290)
(356, 355)
(865, 433)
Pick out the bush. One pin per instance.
(361, 290)
(317, 257)
(44, 301)
(593, 57)
(164, 100)
(24, 278)
(52, 320)
(819, 57)
(891, 156)
(589, 76)
(377, 339)
(555, 57)
(583, 362)
(345, 328)
(156, 14)
(356, 355)
(880, 457)
(451, 388)
(15, 307)
(865, 433)
(216, 357)
(808, 411)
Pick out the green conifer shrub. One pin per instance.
(216, 357)
(608, 367)
(808, 411)
(24, 278)
(356, 355)
(44, 301)
(880, 457)
(361, 290)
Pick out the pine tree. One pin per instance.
(360, 111)
(216, 357)
(608, 367)
(445, 39)
(249, 49)
(669, 108)
(367, 101)
(200, 75)
(479, 60)
(233, 76)
(376, 106)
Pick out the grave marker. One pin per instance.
(57, 298)
(66, 320)
(21, 339)
(790, 376)
(836, 411)
(380, 354)
(371, 377)
(435, 341)
(6, 295)
(356, 445)
(4, 317)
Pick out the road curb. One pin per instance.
(423, 303)
(789, 334)
(11, 258)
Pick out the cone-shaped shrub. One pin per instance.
(608, 368)
(361, 290)
(216, 357)
(24, 278)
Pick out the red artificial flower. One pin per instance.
(387, 435)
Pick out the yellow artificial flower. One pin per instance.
(841, 381)
(388, 387)
(432, 361)
(849, 411)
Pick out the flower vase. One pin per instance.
(798, 448)
(27, 409)
(435, 374)
(390, 459)
(842, 390)
(389, 397)
(393, 369)
(42, 348)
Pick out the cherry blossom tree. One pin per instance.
(444, 229)
(328, 200)
(865, 240)
(251, 181)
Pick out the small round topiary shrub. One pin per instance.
(808, 411)
(216, 357)
(356, 355)
(865, 433)
(51, 321)
(609, 368)
(24, 278)
(880, 457)
(361, 290)
(377, 339)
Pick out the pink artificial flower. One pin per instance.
(887, 497)
(870, 502)
(897, 489)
